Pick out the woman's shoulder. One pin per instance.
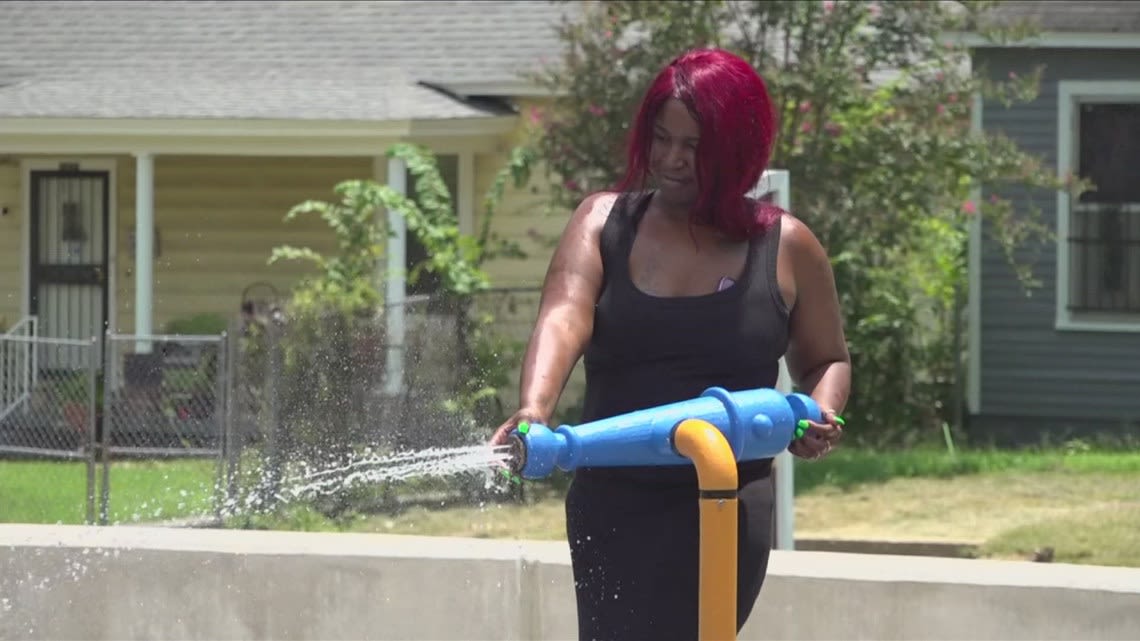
(597, 206)
(801, 244)
(592, 212)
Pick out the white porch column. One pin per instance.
(144, 248)
(395, 281)
(465, 205)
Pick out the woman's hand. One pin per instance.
(503, 433)
(523, 415)
(819, 438)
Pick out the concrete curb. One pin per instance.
(945, 549)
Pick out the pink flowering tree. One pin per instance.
(874, 105)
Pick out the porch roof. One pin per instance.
(1072, 17)
(292, 60)
(374, 94)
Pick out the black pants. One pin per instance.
(634, 547)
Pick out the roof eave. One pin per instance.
(1050, 40)
(246, 137)
(268, 128)
(498, 89)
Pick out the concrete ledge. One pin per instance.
(73, 582)
(952, 549)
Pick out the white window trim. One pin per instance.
(1069, 92)
(1051, 40)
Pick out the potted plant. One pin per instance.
(73, 395)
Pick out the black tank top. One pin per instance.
(647, 350)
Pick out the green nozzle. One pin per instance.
(514, 478)
(801, 427)
(524, 427)
(839, 419)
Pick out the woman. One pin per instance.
(666, 292)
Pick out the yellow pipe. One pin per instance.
(704, 444)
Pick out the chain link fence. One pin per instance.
(146, 398)
(316, 391)
(166, 397)
(272, 395)
(49, 400)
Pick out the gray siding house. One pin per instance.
(1063, 360)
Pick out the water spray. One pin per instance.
(713, 432)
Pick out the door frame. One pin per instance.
(109, 165)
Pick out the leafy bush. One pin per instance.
(324, 358)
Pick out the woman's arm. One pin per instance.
(817, 355)
(565, 315)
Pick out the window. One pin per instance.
(1104, 224)
(1098, 232)
(415, 252)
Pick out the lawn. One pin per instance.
(1083, 505)
(141, 491)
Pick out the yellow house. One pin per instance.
(150, 150)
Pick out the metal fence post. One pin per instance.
(103, 439)
(93, 420)
(221, 401)
(232, 442)
(273, 411)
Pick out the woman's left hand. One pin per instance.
(819, 439)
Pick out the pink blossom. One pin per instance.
(535, 115)
(969, 208)
(828, 6)
(571, 185)
(1012, 75)
(874, 10)
(806, 127)
(833, 129)
(952, 98)
(941, 110)
(805, 106)
(939, 76)
(597, 110)
(993, 198)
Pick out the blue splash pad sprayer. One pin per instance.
(757, 423)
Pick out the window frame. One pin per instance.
(1071, 94)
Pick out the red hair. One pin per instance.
(730, 103)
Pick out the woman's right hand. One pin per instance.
(523, 415)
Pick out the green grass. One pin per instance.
(55, 492)
(1104, 536)
(1082, 504)
(846, 468)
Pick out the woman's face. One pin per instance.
(672, 156)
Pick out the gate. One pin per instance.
(49, 399)
(165, 397)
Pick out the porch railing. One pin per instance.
(18, 365)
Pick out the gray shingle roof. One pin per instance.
(258, 59)
(372, 95)
(1074, 17)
